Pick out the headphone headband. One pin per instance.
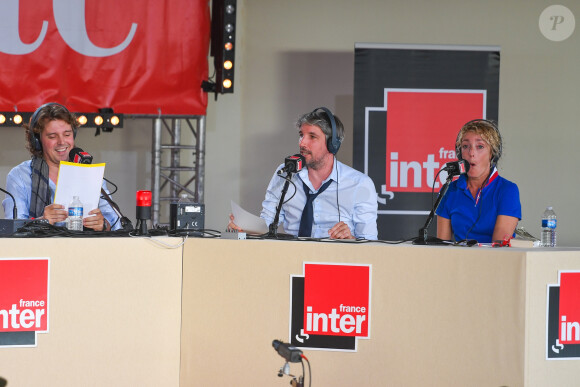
(333, 143)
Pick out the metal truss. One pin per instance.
(169, 178)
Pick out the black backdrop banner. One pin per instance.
(409, 103)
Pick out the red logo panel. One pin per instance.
(337, 299)
(24, 295)
(569, 315)
(421, 129)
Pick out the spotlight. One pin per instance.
(228, 64)
(108, 120)
(229, 46)
(227, 83)
(14, 118)
(104, 120)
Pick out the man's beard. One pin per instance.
(313, 164)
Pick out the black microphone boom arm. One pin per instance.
(423, 238)
(273, 228)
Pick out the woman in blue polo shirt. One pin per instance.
(480, 205)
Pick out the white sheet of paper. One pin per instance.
(250, 223)
(82, 180)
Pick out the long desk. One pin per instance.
(128, 312)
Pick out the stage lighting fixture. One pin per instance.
(105, 120)
(223, 36)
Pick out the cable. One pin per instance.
(478, 203)
(294, 185)
(205, 233)
(113, 184)
(309, 370)
(337, 186)
(167, 245)
(433, 186)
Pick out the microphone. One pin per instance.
(287, 351)
(14, 210)
(79, 156)
(293, 164)
(454, 168)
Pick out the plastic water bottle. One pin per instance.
(549, 224)
(75, 215)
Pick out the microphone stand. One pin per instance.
(273, 229)
(424, 238)
(125, 222)
(14, 210)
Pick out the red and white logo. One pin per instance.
(330, 306)
(421, 127)
(24, 296)
(563, 317)
(569, 311)
(337, 299)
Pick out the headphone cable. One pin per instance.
(477, 202)
(337, 204)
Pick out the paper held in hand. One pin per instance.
(82, 180)
(249, 222)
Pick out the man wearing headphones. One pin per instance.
(331, 199)
(50, 137)
(480, 205)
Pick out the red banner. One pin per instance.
(24, 295)
(136, 56)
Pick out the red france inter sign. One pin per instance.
(422, 125)
(569, 311)
(24, 295)
(337, 299)
(563, 317)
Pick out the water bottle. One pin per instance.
(75, 215)
(549, 224)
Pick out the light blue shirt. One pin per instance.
(19, 182)
(354, 191)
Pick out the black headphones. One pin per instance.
(34, 121)
(495, 156)
(333, 142)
